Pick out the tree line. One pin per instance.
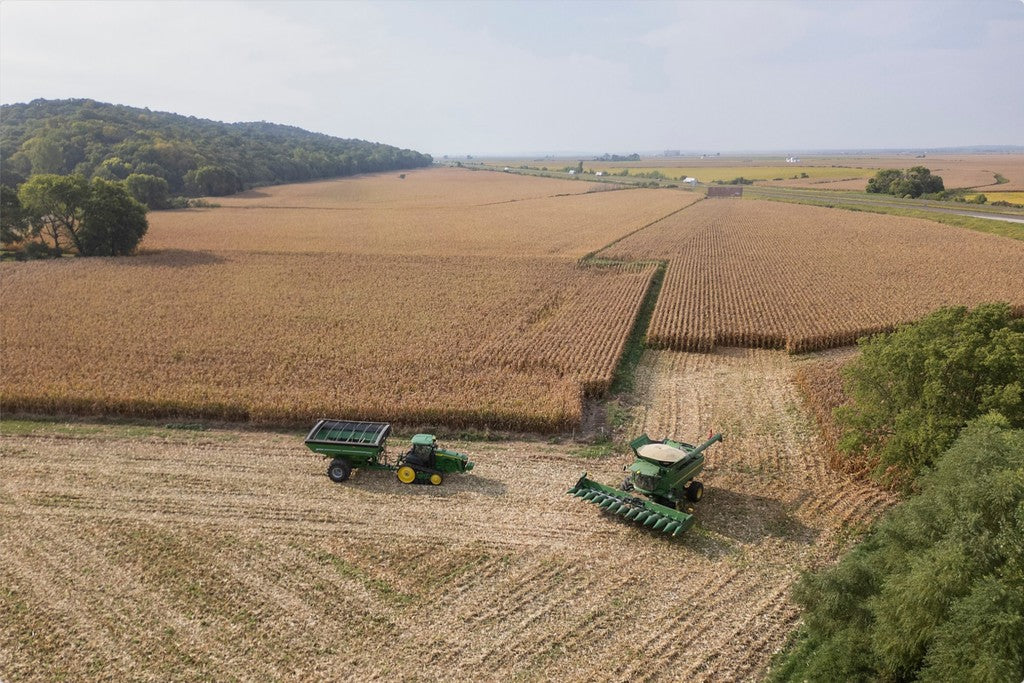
(936, 591)
(192, 156)
(77, 176)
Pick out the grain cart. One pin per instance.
(663, 474)
(352, 444)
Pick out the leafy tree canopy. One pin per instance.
(913, 390)
(112, 142)
(61, 212)
(910, 183)
(113, 223)
(936, 592)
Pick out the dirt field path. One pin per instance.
(164, 554)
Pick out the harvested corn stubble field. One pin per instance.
(768, 274)
(162, 554)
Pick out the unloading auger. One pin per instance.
(663, 476)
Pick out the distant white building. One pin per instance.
(792, 160)
(689, 181)
(572, 171)
(599, 173)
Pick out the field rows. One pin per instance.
(171, 554)
(566, 227)
(285, 339)
(767, 274)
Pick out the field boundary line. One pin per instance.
(593, 254)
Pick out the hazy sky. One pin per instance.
(530, 77)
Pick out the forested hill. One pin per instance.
(195, 156)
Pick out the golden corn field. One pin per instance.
(460, 303)
(768, 274)
(448, 223)
(467, 300)
(287, 338)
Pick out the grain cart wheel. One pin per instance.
(339, 470)
(435, 479)
(695, 491)
(406, 474)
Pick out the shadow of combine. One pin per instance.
(749, 518)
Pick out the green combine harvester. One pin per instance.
(663, 474)
(352, 445)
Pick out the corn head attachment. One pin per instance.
(659, 487)
(634, 508)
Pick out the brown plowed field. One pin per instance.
(159, 554)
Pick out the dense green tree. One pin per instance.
(914, 389)
(53, 207)
(113, 222)
(13, 224)
(936, 592)
(45, 154)
(98, 218)
(150, 190)
(910, 183)
(212, 181)
(883, 180)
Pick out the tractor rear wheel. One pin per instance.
(435, 479)
(695, 491)
(406, 474)
(339, 470)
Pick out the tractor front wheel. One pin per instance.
(695, 491)
(435, 479)
(339, 471)
(406, 474)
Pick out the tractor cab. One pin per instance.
(423, 451)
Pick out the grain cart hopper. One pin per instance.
(663, 474)
(352, 444)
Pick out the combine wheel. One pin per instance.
(435, 479)
(406, 474)
(339, 470)
(695, 491)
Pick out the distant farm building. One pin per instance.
(692, 182)
(725, 191)
(792, 160)
(599, 173)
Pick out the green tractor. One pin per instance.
(663, 474)
(352, 444)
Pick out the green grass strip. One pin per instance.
(993, 227)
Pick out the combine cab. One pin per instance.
(663, 476)
(352, 444)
